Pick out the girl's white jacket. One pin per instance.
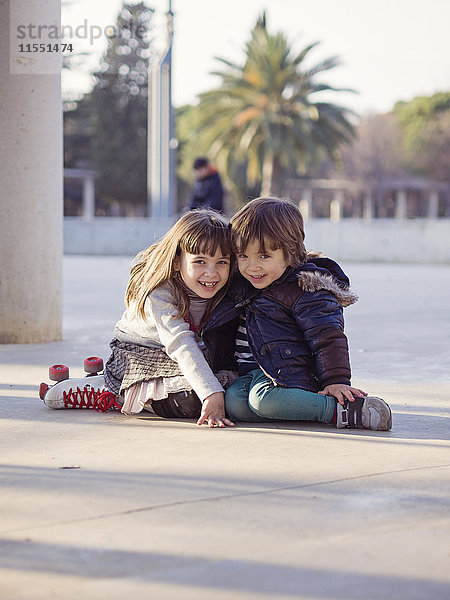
(162, 329)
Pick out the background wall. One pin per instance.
(380, 240)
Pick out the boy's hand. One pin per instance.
(342, 392)
(226, 378)
(213, 412)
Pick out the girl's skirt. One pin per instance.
(139, 374)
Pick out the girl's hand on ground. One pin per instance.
(343, 392)
(213, 412)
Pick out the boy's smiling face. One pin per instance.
(261, 268)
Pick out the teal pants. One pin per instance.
(254, 398)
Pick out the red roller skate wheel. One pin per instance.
(58, 372)
(43, 390)
(93, 364)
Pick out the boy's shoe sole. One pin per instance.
(369, 412)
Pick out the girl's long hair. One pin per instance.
(196, 232)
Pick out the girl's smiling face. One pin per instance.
(261, 268)
(203, 274)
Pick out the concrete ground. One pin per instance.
(165, 509)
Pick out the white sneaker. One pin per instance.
(85, 392)
(369, 412)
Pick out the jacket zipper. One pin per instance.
(224, 318)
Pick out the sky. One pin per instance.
(390, 50)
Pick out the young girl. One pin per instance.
(157, 361)
(283, 312)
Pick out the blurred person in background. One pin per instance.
(208, 190)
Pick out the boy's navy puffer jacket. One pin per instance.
(295, 326)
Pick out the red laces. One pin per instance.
(90, 398)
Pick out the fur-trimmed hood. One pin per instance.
(312, 281)
(322, 273)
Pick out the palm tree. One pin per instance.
(265, 111)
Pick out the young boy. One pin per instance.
(284, 314)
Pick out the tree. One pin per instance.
(189, 147)
(119, 103)
(191, 144)
(265, 112)
(376, 154)
(425, 122)
(432, 155)
(79, 128)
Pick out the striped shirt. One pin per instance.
(243, 354)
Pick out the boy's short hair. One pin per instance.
(200, 162)
(272, 221)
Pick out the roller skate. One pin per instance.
(84, 392)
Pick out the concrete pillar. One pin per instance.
(31, 175)
(336, 206)
(162, 144)
(368, 206)
(305, 204)
(433, 205)
(400, 205)
(88, 198)
(356, 207)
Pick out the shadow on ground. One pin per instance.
(232, 575)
